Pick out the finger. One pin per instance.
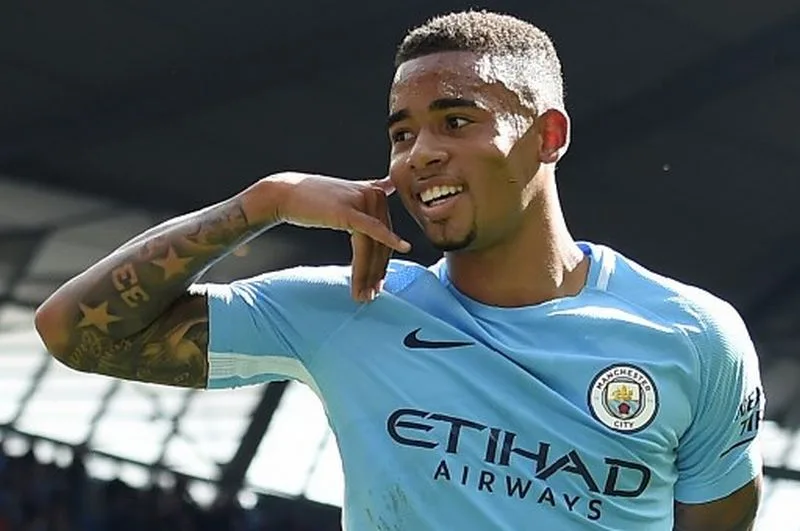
(379, 262)
(364, 250)
(379, 254)
(385, 184)
(371, 257)
(377, 230)
(366, 277)
(359, 276)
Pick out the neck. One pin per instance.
(540, 262)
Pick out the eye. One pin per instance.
(456, 122)
(400, 136)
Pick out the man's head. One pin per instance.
(476, 108)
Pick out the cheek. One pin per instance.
(399, 174)
(510, 128)
(396, 169)
(497, 189)
(505, 138)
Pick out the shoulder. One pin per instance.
(329, 276)
(328, 280)
(713, 326)
(295, 286)
(402, 274)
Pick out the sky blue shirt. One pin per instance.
(588, 412)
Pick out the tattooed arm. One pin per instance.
(133, 314)
(137, 313)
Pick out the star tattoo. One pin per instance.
(97, 317)
(172, 264)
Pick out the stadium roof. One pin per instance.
(684, 155)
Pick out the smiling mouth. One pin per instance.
(439, 194)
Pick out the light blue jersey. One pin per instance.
(590, 412)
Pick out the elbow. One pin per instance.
(49, 323)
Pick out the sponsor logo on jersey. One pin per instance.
(518, 466)
(624, 398)
(749, 416)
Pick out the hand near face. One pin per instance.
(359, 207)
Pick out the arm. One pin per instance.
(719, 458)
(735, 512)
(137, 314)
(134, 315)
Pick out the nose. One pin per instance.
(427, 151)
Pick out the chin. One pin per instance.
(451, 245)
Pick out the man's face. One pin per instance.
(464, 149)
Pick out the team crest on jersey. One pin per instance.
(623, 398)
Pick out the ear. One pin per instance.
(553, 127)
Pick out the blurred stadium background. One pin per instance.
(116, 115)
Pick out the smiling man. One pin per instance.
(525, 381)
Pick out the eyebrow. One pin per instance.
(436, 105)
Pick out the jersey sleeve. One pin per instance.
(268, 327)
(719, 453)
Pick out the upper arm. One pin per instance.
(170, 351)
(270, 326)
(735, 512)
(719, 456)
(220, 335)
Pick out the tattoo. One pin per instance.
(152, 247)
(220, 230)
(134, 296)
(124, 277)
(171, 351)
(172, 264)
(126, 282)
(97, 317)
(155, 270)
(129, 325)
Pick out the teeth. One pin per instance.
(432, 194)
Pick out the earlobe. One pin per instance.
(554, 134)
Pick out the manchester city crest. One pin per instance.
(623, 398)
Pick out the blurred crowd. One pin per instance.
(45, 497)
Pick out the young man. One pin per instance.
(526, 381)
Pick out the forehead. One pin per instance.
(452, 75)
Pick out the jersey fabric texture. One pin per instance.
(596, 411)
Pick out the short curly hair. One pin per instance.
(528, 51)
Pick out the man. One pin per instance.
(526, 381)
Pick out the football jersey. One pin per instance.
(594, 411)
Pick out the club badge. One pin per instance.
(623, 398)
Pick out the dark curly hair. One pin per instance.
(519, 48)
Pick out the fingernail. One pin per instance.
(365, 295)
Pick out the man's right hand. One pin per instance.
(358, 207)
(137, 313)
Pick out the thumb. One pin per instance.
(384, 184)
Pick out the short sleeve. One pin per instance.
(719, 453)
(267, 327)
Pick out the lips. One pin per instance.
(431, 195)
(436, 195)
(440, 208)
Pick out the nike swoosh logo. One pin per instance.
(414, 342)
